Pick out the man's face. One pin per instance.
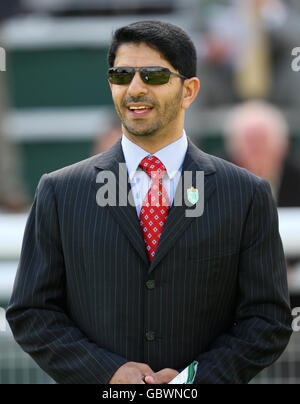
(258, 146)
(163, 102)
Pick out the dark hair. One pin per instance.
(171, 41)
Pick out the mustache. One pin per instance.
(141, 99)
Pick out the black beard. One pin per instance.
(172, 109)
(143, 132)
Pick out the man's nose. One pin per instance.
(137, 86)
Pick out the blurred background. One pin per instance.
(56, 109)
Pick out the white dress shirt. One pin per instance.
(172, 156)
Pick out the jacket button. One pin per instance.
(150, 284)
(150, 336)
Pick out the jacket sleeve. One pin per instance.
(37, 310)
(262, 325)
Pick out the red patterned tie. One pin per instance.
(155, 208)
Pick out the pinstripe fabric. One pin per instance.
(80, 305)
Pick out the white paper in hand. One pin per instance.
(187, 376)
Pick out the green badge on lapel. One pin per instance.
(193, 195)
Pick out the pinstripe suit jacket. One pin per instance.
(81, 306)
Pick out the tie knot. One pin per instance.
(152, 164)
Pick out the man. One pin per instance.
(257, 138)
(134, 294)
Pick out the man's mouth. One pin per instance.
(139, 110)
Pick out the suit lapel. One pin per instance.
(126, 216)
(177, 222)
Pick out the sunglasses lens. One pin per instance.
(155, 75)
(120, 75)
(150, 75)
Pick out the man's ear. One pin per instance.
(110, 85)
(190, 91)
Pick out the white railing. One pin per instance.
(12, 230)
(289, 227)
(11, 235)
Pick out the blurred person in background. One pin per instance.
(257, 138)
(12, 195)
(108, 138)
(245, 51)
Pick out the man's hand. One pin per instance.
(131, 373)
(164, 376)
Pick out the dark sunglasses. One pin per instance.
(149, 74)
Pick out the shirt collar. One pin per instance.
(172, 156)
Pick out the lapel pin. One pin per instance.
(193, 195)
